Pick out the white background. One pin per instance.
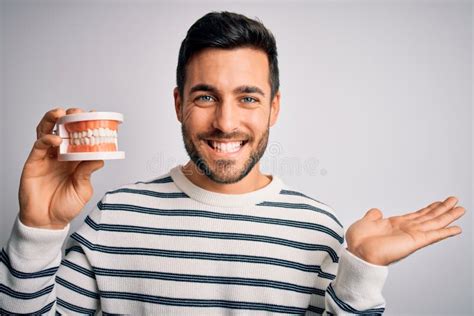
(376, 108)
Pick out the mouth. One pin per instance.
(226, 148)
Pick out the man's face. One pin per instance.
(226, 111)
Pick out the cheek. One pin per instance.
(187, 114)
(256, 121)
(196, 119)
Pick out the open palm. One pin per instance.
(383, 241)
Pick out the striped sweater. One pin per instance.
(170, 247)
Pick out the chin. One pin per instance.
(225, 175)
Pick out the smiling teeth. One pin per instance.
(226, 147)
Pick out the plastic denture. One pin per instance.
(89, 136)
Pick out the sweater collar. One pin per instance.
(197, 193)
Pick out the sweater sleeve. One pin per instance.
(347, 285)
(29, 264)
(357, 288)
(36, 280)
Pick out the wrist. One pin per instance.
(367, 257)
(41, 224)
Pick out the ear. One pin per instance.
(275, 108)
(177, 104)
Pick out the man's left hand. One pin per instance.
(383, 241)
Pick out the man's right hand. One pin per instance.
(53, 192)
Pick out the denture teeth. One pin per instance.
(108, 136)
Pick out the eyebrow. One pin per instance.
(241, 89)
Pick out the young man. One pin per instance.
(213, 236)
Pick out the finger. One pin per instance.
(441, 208)
(373, 214)
(440, 234)
(442, 220)
(48, 121)
(422, 211)
(73, 110)
(41, 146)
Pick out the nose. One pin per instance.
(226, 117)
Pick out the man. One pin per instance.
(213, 236)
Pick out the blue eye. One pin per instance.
(204, 98)
(249, 99)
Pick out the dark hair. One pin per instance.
(227, 30)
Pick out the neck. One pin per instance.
(254, 180)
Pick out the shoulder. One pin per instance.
(132, 193)
(134, 203)
(319, 211)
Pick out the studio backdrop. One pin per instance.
(376, 108)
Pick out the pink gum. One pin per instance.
(91, 148)
(84, 125)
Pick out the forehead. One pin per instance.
(228, 68)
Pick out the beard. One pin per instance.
(224, 171)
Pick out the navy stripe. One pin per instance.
(25, 275)
(315, 309)
(78, 268)
(208, 279)
(291, 192)
(75, 308)
(25, 296)
(41, 311)
(348, 308)
(75, 288)
(167, 179)
(164, 195)
(202, 256)
(216, 215)
(211, 235)
(300, 206)
(202, 303)
(74, 248)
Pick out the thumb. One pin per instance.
(373, 214)
(86, 168)
(82, 176)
